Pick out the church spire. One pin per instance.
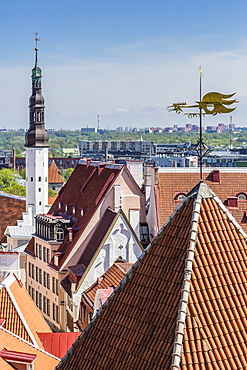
(37, 135)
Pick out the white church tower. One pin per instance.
(36, 149)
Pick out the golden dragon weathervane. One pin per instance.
(212, 103)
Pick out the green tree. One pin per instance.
(67, 173)
(7, 178)
(23, 173)
(52, 193)
(15, 189)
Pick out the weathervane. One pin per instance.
(36, 39)
(212, 103)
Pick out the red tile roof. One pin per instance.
(82, 194)
(111, 277)
(13, 321)
(183, 305)
(21, 315)
(171, 183)
(54, 176)
(58, 343)
(12, 208)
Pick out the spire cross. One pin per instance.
(36, 39)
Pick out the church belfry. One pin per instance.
(36, 143)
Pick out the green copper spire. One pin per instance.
(36, 71)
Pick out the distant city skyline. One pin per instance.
(125, 61)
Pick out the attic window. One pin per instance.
(180, 196)
(241, 196)
(65, 208)
(59, 205)
(82, 212)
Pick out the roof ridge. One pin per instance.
(184, 297)
(12, 297)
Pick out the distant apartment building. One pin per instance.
(161, 148)
(88, 129)
(101, 148)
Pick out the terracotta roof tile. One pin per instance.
(13, 321)
(22, 316)
(181, 181)
(12, 208)
(54, 176)
(183, 305)
(111, 277)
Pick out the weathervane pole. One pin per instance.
(200, 115)
(212, 103)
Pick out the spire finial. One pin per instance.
(36, 39)
(36, 49)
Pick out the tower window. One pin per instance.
(31, 179)
(39, 189)
(39, 178)
(40, 203)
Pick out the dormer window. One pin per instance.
(60, 234)
(82, 212)
(180, 196)
(65, 208)
(59, 205)
(241, 196)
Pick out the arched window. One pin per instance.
(242, 196)
(60, 234)
(179, 196)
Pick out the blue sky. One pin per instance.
(124, 60)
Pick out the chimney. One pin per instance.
(147, 179)
(216, 176)
(70, 232)
(101, 166)
(88, 162)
